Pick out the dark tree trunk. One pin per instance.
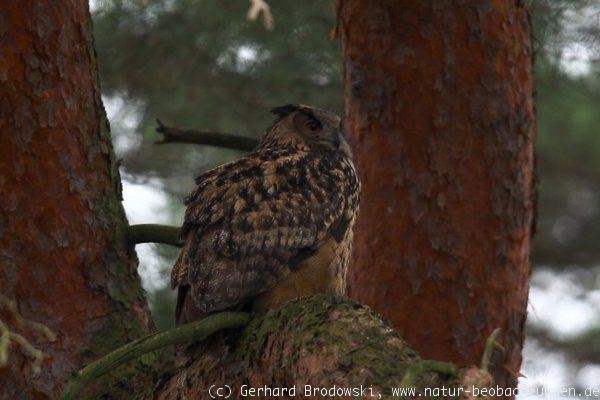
(63, 254)
(440, 110)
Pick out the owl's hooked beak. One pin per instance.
(340, 140)
(340, 136)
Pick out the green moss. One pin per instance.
(361, 342)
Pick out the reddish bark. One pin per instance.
(440, 110)
(64, 257)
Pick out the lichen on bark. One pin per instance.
(323, 341)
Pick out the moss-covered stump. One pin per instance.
(322, 347)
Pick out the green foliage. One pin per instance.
(568, 143)
(569, 160)
(200, 64)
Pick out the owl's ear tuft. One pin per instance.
(284, 111)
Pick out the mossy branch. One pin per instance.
(188, 333)
(229, 141)
(321, 341)
(153, 233)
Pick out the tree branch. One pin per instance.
(188, 333)
(153, 233)
(177, 135)
(258, 7)
(322, 342)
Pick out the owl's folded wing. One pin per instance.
(248, 224)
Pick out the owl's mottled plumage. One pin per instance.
(274, 225)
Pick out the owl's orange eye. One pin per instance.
(314, 126)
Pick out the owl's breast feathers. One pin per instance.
(276, 223)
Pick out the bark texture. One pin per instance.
(325, 342)
(62, 227)
(440, 110)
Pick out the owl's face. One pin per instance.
(305, 126)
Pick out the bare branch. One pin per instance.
(177, 135)
(258, 7)
(153, 233)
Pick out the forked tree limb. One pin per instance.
(193, 136)
(153, 233)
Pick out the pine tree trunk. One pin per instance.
(63, 254)
(440, 110)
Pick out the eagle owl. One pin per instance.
(274, 225)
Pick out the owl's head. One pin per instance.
(308, 128)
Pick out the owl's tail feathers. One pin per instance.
(179, 280)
